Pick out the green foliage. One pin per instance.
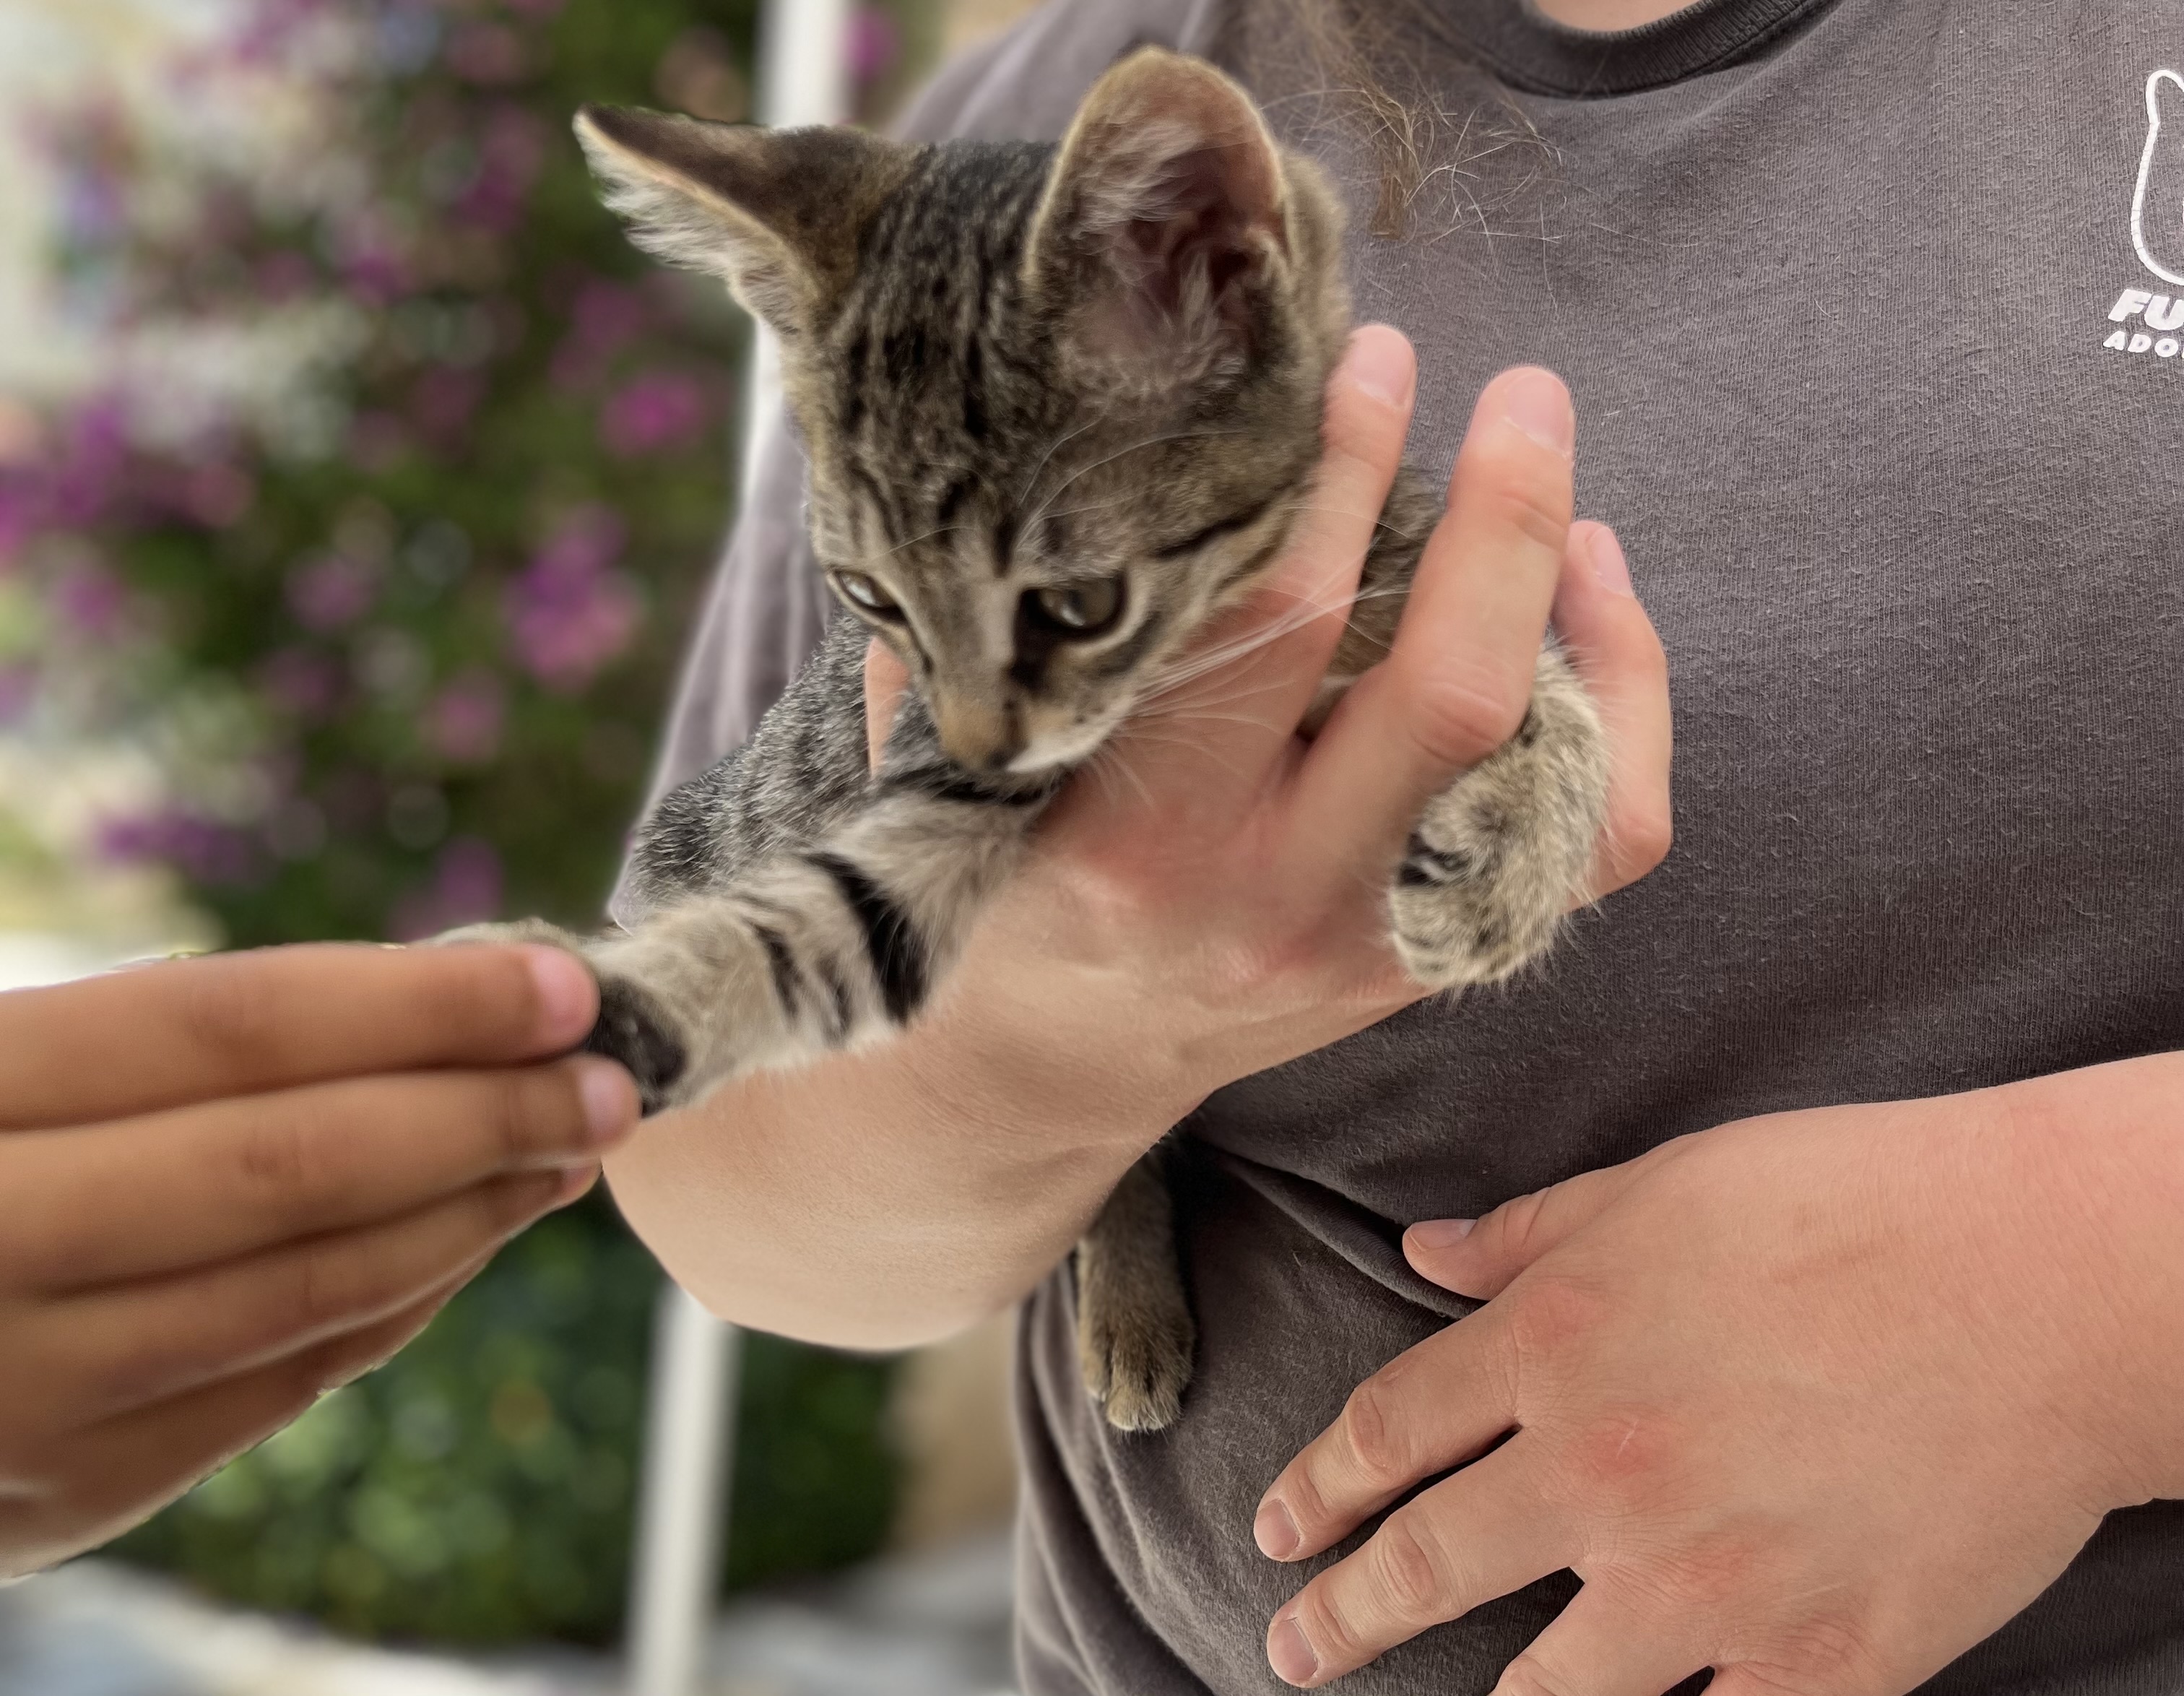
(479, 1488)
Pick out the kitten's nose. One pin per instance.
(980, 736)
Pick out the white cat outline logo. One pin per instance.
(2146, 164)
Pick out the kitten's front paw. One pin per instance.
(633, 1030)
(1134, 1349)
(630, 1027)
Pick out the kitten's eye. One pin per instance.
(867, 594)
(1085, 609)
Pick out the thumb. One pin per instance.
(1481, 1257)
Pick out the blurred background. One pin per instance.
(357, 484)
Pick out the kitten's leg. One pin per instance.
(1134, 1334)
(821, 948)
(1497, 857)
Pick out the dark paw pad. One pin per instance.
(630, 1029)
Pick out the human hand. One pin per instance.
(1818, 1400)
(1207, 899)
(228, 1185)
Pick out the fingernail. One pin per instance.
(1274, 1530)
(1610, 569)
(567, 1002)
(1288, 1652)
(610, 1098)
(1381, 364)
(1433, 1233)
(1537, 404)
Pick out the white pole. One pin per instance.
(690, 1435)
(690, 1426)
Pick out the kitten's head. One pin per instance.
(1061, 403)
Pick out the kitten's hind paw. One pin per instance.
(631, 1029)
(1135, 1355)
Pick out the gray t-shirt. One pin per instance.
(1871, 379)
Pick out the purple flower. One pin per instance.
(568, 613)
(656, 410)
(217, 495)
(466, 888)
(301, 680)
(510, 160)
(463, 724)
(331, 591)
(486, 54)
(90, 600)
(604, 318)
(443, 402)
(203, 850)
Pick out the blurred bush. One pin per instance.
(376, 550)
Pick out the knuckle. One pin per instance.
(1338, 1639)
(278, 1155)
(1522, 489)
(1515, 1225)
(231, 1011)
(1372, 1431)
(535, 1109)
(1412, 1569)
(1546, 1316)
(1530, 1675)
(1459, 716)
(1835, 1650)
(313, 1296)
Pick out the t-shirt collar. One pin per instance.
(1531, 51)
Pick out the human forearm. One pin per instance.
(883, 1199)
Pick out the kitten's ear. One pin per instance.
(1164, 222)
(775, 212)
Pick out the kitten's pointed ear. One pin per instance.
(775, 212)
(1164, 222)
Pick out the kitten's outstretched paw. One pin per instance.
(631, 1029)
(1135, 1357)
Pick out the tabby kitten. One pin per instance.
(1062, 406)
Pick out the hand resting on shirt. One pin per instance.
(1819, 1399)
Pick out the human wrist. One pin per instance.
(1044, 1089)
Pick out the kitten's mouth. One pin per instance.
(1046, 752)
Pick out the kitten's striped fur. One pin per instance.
(1025, 376)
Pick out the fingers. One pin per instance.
(1482, 1259)
(1284, 639)
(1481, 1534)
(1604, 1646)
(1459, 679)
(109, 1351)
(1616, 651)
(1431, 1407)
(886, 677)
(99, 1482)
(169, 1192)
(234, 1024)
